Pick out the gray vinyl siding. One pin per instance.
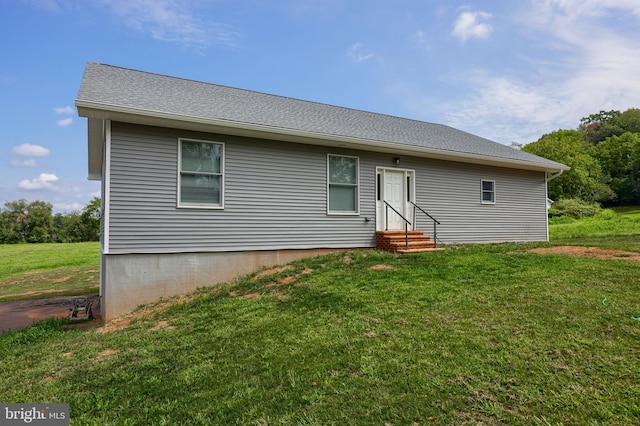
(452, 194)
(275, 197)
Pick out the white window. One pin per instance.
(488, 192)
(342, 184)
(200, 174)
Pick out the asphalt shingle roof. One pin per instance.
(115, 87)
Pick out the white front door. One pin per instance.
(394, 194)
(396, 187)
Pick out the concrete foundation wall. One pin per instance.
(131, 280)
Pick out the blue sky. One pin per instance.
(507, 70)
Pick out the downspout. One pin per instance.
(552, 177)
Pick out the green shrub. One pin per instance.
(607, 214)
(561, 220)
(574, 208)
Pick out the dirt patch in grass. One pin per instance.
(114, 325)
(381, 267)
(107, 353)
(28, 294)
(251, 296)
(144, 313)
(598, 252)
(287, 280)
(272, 271)
(280, 282)
(162, 325)
(68, 281)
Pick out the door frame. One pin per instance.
(409, 194)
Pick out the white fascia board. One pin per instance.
(163, 119)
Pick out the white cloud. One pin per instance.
(25, 163)
(471, 25)
(356, 53)
(506, 109)
(44, 181)
(575, 70)
(172, 21)
(64, 110)
(68, 207)
(578, 9)
(65, 122)
(28, 150)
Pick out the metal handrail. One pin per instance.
(435, 222)
(406, 222)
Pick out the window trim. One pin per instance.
(357, 186)
(493, 191)
(208, 206)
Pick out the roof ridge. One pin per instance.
(325, 104)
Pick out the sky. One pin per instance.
(506, 70)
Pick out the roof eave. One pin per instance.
(98, 110)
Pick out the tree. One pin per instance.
(22, 222)
(68, 228)
(586, 179)
(629, 121)
(12, 222)
(620, 159)
(90, 220)
(39, 222)
(598, 127)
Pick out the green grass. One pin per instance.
(30, 271)
(489, 334)
(628, 210)
(621, 230)
(478, 334)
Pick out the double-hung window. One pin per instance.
(342, 184)
(488, 191)
(200, 175)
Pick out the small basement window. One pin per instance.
(488, 192)
(200, 174)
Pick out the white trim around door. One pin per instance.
(396, 187)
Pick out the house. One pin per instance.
(202, 183)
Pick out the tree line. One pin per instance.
(604, 156)
(22, 222)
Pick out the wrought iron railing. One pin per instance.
(435, 222)
(406, 222)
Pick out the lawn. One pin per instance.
(32, 271)
(477, 334)
(613, 230)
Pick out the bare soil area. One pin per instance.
(598, 252)
(21, 314)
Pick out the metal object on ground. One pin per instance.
(81, 309)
